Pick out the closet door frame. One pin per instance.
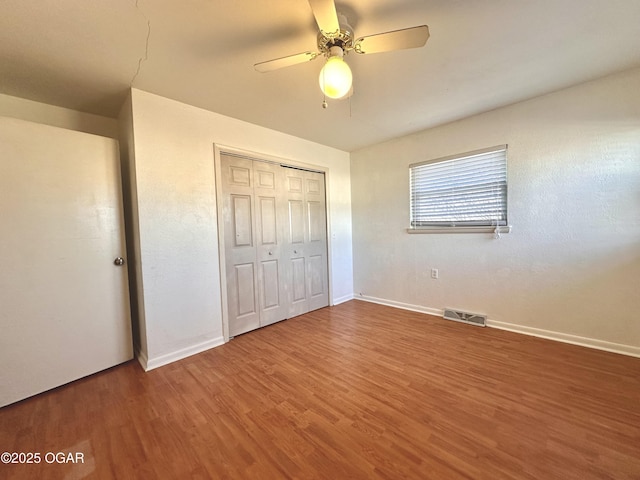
(221, 148)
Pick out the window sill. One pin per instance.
(501, 229)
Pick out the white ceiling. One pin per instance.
(481, 55)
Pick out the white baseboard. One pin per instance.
(629, 350)
(620, 348)
(141, 357)
(150, 364)
(404, 306)
(344, 298)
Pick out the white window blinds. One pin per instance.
(465, 190)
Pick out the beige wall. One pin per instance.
(176, 207)
(571, 268)
(57, 116)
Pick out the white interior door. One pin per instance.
(306, 248)
(64, 303)
(241, 264)
(270, 234)
(316, 248)
(297, 239)
(274, 223)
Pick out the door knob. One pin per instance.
(270, 253)
(119, 261)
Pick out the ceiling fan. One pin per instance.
(335, 40)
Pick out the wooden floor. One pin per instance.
(357, 391)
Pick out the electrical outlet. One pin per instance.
(435, 273)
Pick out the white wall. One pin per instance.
(57, 116)
(176, 203)
(571, 268)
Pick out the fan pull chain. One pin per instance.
(324, 81)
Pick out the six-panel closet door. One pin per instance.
(306, 246)
(274, 221)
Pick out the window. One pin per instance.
(460, 191)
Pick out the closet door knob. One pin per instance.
(118, 262)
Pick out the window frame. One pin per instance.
(498, 227)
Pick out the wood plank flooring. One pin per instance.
(357, 391)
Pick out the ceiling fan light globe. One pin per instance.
(335, 78)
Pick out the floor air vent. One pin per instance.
(465, 317)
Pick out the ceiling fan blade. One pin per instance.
(283, 62)
(326, 16)
(396, 40)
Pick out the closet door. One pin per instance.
(270, 205)
(253, 205)
(240, 249)
(316, 248)
(275, 237)
(297, 238)
(306, 249)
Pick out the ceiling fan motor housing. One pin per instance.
(343, 38)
